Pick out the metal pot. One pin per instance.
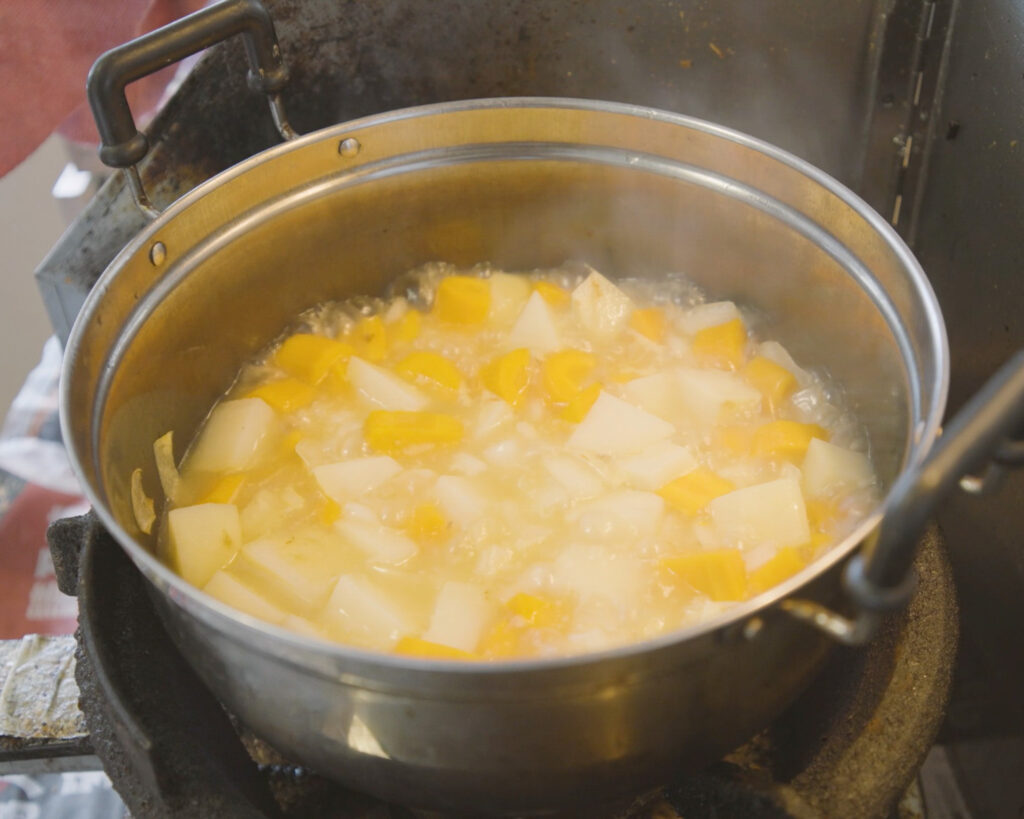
(522, 183)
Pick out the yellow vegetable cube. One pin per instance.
(418, 647)
(503, 640)
(649, 322)
(721, 574)
(288, 443)
(463, 300)
(722, 345)
(534, 610)
(554, 295)
(772, 380)
(577, 408)
(310, 357)
(786, 563)
(407, 328)
(508, 376)
(435, 369)
(736, 438)
(564, 372)
(394, 431)
(426, 523)
(285, 395)
(785, 439)
(329, 512)
(370, 337)
(225, 490)
(693, 491)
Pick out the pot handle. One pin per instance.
(880, 577)
(123, 146)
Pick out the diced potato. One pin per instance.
(235, 436)
(461, 614)
(655, 466)
(408, 327)
(233, 591)
(492, 415)
(370, 337)
(718, 573)
(576, 410)
(430, 369)
(771, 512)
(649, 322)
(509, 293)
(508, 376)
(622, 513)
(786, 563)
(554, 295)
(785, 439)
(600, 307)
(593, 571)
(774, 381)
(722, 345)
(463, 300)
(658, 394)
(418, 647)
(708, 315)
(459, 499)
(304, 568)
(202, 539)
(266, 511)
(381, 544)
(535, 328)
(285, 395)
(615, 427)
(396, 432)
(310, 357)
(565, 373)
(345, 480)
(828, 468)
(358, 606)
(693, 491)
(707, 395)
(427, 523)
(384, 389)
(577, 477)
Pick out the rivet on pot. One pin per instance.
(349, 147)
(752, 628)
(158, 254)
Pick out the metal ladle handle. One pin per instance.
(880, 579)
(123, 145)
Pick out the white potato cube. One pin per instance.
(616, 427)
(363, 610)
(380, 543)
(504, 453)
(494, 413)
(708, 315)
(234, 436)
(384, 389)
(535, 328)
(459, 499)
(657, 394)
(234, 592)
(621, 514)
(657, 465)
(302, 568)
(509, 293)
(462, 463)
(705, 393)
(600, 307)
(766, 513)
(346, 479)
(202, 539)
(461, 614)
(828, 468)
(598, 572)
(577, 477)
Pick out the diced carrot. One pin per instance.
(418, 647)
(722, 345)
(649, 322)
(785, 439)
(565, 372)
(693, 491)
(394, 431)
(786, 563)
(285, 395)
(772, 380)
(508, 376)
(721, 574)
(463, 300)
(576, 410)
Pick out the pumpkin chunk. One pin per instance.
(722, 345)
(463, 300)
(719, 573)
(693, 491)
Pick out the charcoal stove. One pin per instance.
(899, 99)
(852, 744)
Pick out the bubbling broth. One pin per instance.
(496, 465)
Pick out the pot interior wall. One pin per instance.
(234, 292)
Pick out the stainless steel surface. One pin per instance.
(522, 183)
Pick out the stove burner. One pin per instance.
(848, 747)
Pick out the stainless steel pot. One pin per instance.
(522, 183)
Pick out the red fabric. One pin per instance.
(46, 50)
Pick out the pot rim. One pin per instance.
(214, 612)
